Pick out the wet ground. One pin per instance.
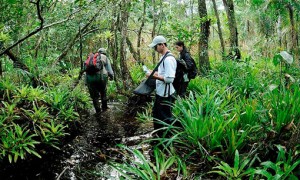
(84, 156)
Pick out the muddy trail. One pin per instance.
(85, 154)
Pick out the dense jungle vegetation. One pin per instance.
(240, 121)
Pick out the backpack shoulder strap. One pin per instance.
(168, 55)
(156, 68)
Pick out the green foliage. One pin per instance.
(4, 37)
(51, 132)
(37, 114)
(80, 100)
(283, 106)
(57, 98)
(241, 168)
(137, 166)
(7, 88)
(137, 73)
(30, 116)
(29, 94)
(16, 142)
(8, 112)
(210, 123)
(281, 169)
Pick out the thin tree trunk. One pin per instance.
(37, 46)
(234, 50)
(127, 80)
(293, 31)
(132, 50)
(203, 39)
(140, 32)
(114, 45)
(1, 70)
(219, 28)
(279, 31)
(153, 33)
(192, 20)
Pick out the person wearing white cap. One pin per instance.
(162, 109)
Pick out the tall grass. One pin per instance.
(137, 166)
(232, 109)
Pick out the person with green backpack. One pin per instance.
(98, 69)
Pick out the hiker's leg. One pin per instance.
(97, 105)
(91, 81)
(103, 93)
(94, 94)
(183, 89)
(158, 115)
(166, 112)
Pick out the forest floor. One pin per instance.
(85, 154)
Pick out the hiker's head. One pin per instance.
(159, 44)
(179, 45)
(102, 51)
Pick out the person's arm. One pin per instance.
(170, 69)
(109, 68)
(162, 78)
(156, 76)
(188, 60)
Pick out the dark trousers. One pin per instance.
(97, 86)
(182, 89)
(162, 110)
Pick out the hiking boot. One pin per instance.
(105, 109)
(104, 105)
(97, 115)
(97, 105)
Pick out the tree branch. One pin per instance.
(72, 42)
(37, 29)
(30, 34)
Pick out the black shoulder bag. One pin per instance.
(147, 86)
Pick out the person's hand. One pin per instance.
(148, 73)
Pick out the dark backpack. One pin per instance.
(192, 73)
(93, 64)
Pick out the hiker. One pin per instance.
(96, 81)
(162, 109)
(184, 65)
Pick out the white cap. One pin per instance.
(157, 40)
(102, 51)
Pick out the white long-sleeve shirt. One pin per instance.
(167, 69)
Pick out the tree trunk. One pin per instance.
(153, 33)
(279, 31)
(19, 64)
(114, 46)
(1, 70)
(219, 28)
(192, 8)
(132, 50)
(127, 80)
(203, 39)
(294, 46)
(37, 46)
(234, 50)
(140, 32)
